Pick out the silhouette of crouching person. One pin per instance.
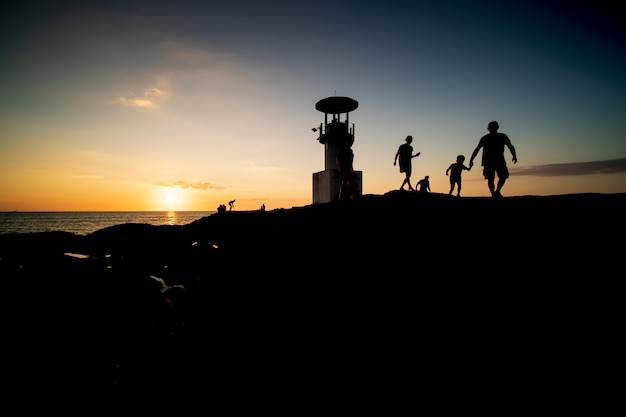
(423, 185)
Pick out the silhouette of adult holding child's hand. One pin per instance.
(493, 161)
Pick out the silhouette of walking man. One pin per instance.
(405, 154)
(231, 203)
(424, 185)
(455, 171)
(345, 159)
(493, 161)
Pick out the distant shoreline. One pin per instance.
(118, 211)
(306, 205)
(84, 222)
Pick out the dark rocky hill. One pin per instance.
(356, 292)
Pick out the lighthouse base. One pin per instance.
(326, 185)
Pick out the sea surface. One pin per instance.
(86, 222)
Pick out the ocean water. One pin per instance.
(86, 222)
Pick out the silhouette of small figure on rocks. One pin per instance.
(455, 171)
(405, 155)
(345, 159)
(231, 204)
(493, 161)
(424, 185)
(263, 207)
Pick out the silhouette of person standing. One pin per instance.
(455, 171)
(424, 185)
(493, 161)
(345, 159)
(405, 155)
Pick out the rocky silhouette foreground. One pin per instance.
(358, 294)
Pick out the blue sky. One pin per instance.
(188, 105)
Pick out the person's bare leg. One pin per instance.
(491, 185)
(501, 182)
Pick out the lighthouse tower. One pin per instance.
(332, 134)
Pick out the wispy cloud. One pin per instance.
(147, 100)
(611, 166)
(189, 185)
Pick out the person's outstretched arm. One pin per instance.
(417, 154)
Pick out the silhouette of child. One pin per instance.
(424, 185)
(455, 171)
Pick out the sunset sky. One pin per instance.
(186, 105)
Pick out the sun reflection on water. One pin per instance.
(170, 217)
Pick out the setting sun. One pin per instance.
(170, 199)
